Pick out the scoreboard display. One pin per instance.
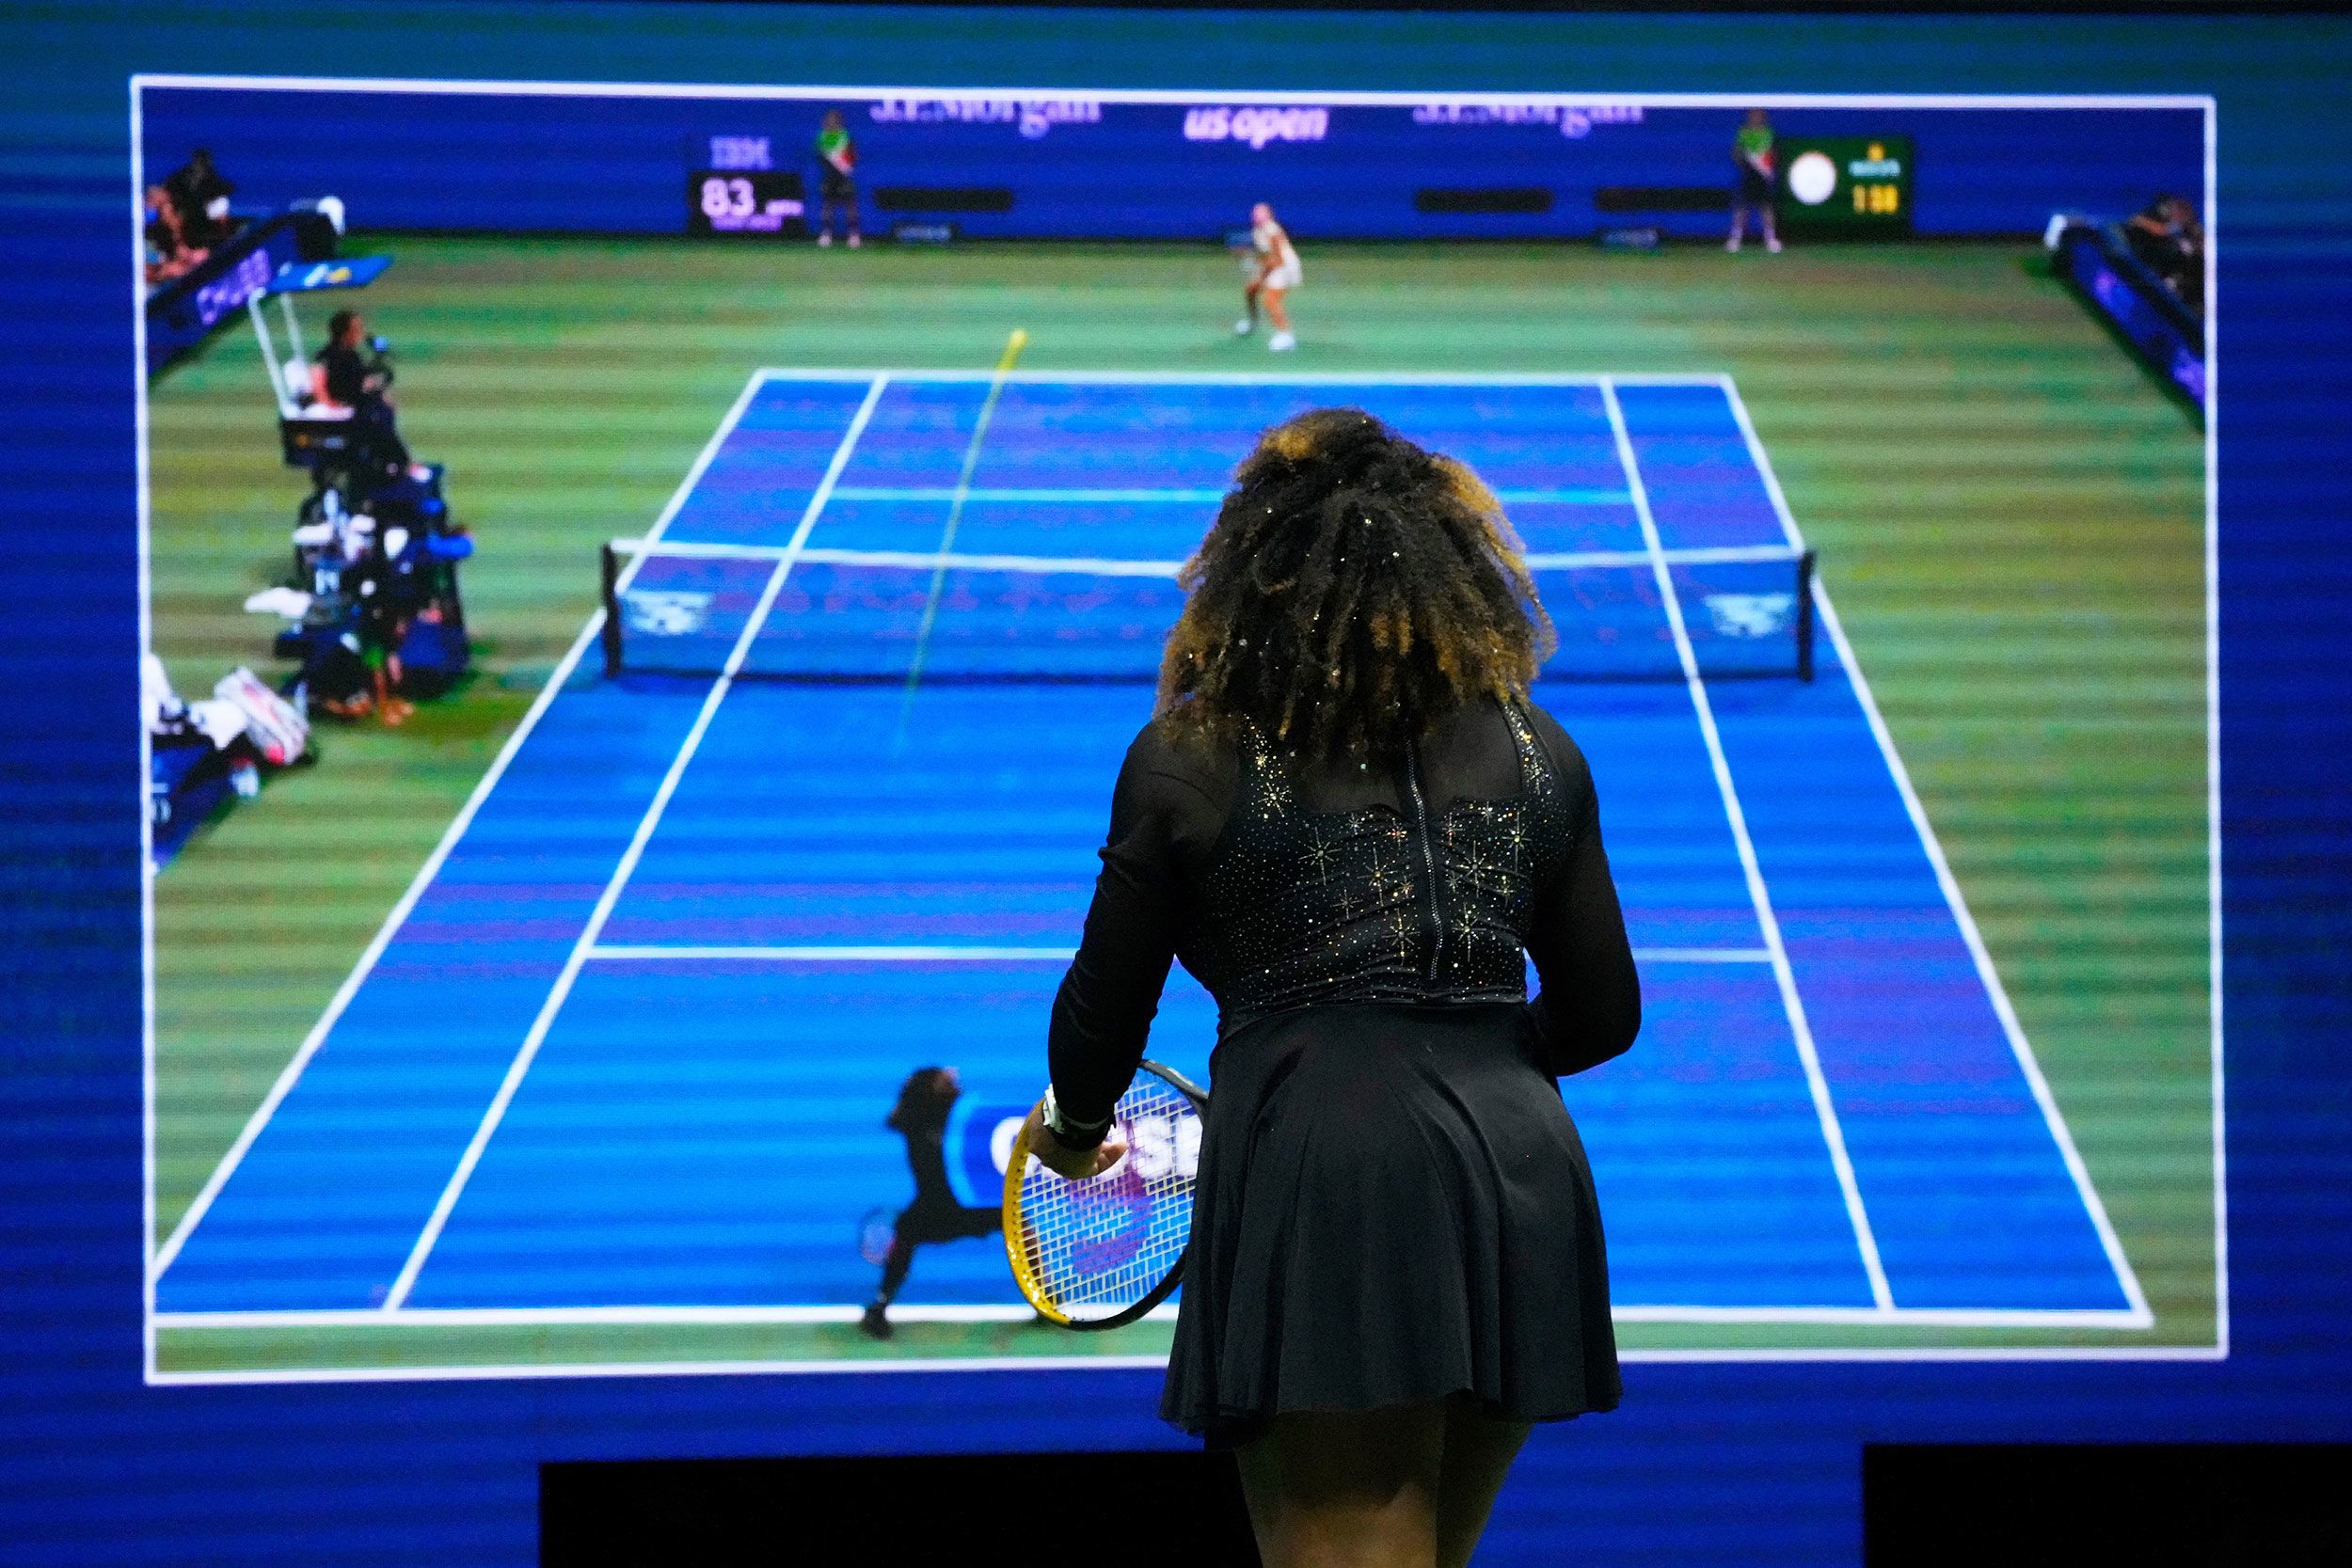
(732, 186)
(746, 201)
(1858, 186)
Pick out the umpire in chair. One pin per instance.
(348, 374)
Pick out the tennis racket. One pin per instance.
(1101, 1253)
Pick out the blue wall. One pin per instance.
(1707, 1464)
(1122, 170)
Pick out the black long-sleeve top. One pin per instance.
(1284, 885)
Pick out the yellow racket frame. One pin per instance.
(1024, 1271)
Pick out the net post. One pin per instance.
(1804, 616)
(609, 563)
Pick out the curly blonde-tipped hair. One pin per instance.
(1354, 589)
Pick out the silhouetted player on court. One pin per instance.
(935, 1215)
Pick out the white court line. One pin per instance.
(1923, 1317)
(1832, 1134)
(958, 561)
(826, 555)
(1036, 495)
(514, 1372)
(1083, 496)
(1538, 560)
(2138, 1314)
(1707, 555)
(1256, 378)
(916, 953)
(508, 1317)
(736, 1367)
(536, 1317)
(432, 863)
(921, 952)
(520, 1065)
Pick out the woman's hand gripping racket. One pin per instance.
(1095, 1251)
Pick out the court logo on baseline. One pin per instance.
(1750, 614)
(666, 613)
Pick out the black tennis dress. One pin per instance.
(1393, 1206)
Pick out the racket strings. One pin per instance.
(1094, 1247)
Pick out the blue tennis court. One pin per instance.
(629, 1043)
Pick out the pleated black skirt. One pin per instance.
(1394, 1207)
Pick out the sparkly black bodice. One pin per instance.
(1290, 889)
(1374, 904)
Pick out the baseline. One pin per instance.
(983, 1312)
(919, 952)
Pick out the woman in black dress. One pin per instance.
(1354, 827)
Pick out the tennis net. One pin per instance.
(878, 616)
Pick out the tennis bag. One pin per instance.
(278, 730)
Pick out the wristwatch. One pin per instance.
(1068, 1131)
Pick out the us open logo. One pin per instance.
(1257, 126)
(981, 1137)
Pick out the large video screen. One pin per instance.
(579, 577)
(571, 844)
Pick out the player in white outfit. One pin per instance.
(1275, 276)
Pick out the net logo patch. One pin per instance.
(662, 613)
(1750, 614)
